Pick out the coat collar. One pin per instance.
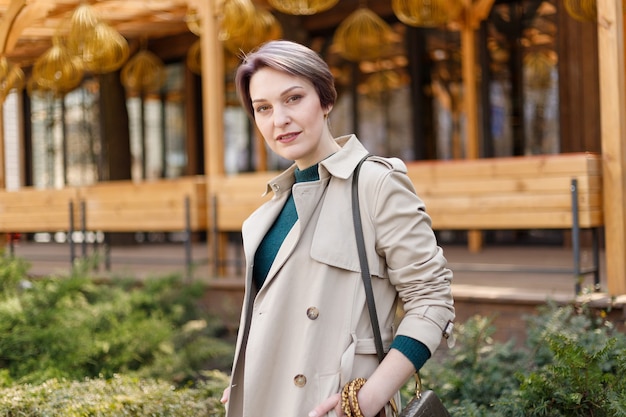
(341, 165)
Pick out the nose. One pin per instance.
(281, 117)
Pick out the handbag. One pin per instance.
(426, 403)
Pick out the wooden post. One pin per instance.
(3, 236)
(613, 131)
(474, 13)
(212, 100)
(212, 88)
(6, 42)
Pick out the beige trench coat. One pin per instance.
(307, 331)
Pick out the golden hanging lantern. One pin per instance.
(262, 28)
(144, 72)
(194, 57)
(426, 13)
(101, 47)
(82, 24)
(11, 78)
(539, 66)
(57, 69)
(302, 7)
(192, 18)
(105, 49)
(5, 66)
(363, 35)
(382, 81)
(235, 19)
(582, 10)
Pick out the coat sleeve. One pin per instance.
(415, 263)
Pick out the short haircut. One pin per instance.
(289, 57)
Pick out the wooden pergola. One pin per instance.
(26, 29)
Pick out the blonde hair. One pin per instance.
(289, 57)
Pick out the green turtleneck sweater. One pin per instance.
(413, 349)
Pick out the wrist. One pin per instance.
(369, 402)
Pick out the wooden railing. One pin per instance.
(538, 192)
(171, 205)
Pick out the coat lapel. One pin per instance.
(307, 197)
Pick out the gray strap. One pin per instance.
(365, 271)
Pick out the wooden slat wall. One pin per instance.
(236, 197)
(36, 210)
(510, 193)
(146, 206)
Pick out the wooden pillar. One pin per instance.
(6, 42)
(613, 119)
(3, 236)
(213, 88)
(474, 13)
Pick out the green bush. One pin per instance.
(114, 397)
(573, 364)
(72, 328)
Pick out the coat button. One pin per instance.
(299, 380)
(312, 313)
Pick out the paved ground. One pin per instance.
(473, 272)
(505, 296)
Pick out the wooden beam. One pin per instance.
(20, 16)
(613, 119)
(471, 20)
(212, 87)
(213, 90)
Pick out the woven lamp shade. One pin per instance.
(192, 18)
(236, 18)
(582, 10)
(539, 68)
(302, 7)
(101, 47)
(363, 35)
(11, 78)
(194, 58)
(82, 23)
(105, 50)
(426, 13)
(57, 69)
(260, 29)
(144, 72)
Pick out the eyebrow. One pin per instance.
(287, 91)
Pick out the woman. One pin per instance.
(305, 332)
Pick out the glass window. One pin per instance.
(157, 129)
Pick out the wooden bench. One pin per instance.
(32, 210)
(233, 199)
(533, 192)
(167, 205)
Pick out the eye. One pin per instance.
(262, 108)
(294, 98)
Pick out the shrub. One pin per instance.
(72, 328)
(114, 397)
(574, 364)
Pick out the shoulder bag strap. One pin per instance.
(365, 271)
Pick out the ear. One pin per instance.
(327, 110)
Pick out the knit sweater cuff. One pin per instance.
(414, 350)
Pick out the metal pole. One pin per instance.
(188, 255)
(576, 234)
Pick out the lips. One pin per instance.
(287, 137)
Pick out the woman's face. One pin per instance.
(288, 113)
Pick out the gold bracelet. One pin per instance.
(349, 399)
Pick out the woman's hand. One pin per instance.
(332, 402)
(388, 378)
(225, 395)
